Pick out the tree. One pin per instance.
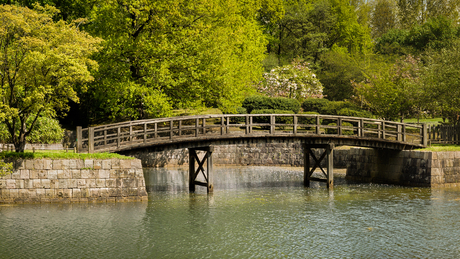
(383, 17)
(442, 80)
(294, 81)
(394, 91)
(164, 55)
(40, 62)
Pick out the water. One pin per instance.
(352, 221)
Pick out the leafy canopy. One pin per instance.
(40, 62)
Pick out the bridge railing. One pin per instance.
(118, 136)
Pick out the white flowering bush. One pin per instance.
(295, 81)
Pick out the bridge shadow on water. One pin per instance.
(175, 179)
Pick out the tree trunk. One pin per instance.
(20, 143)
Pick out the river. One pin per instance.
(242, 220)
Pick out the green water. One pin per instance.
(352, 221)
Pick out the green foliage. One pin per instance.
(314, 104)
(344, 131)
(163, 55)
(266, 119)
(41, 62)
(341, 108)
(60, 155)
(337, 71)
(45, 131)
(5, 168)
(258, 102)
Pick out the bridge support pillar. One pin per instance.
(326, 155)
(207, 174)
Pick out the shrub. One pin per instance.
(45, 131)
(314, 104)
(354, 113)
(344, 131)
(308, 121)
(266, 119)
(262, 103)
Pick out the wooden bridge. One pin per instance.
(201, 132)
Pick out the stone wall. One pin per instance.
(46, 180)
(410, 168)
(264, 154)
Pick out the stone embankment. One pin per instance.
(68, 180)
(409, 168)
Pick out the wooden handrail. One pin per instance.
(112, 137)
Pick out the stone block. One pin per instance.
(84, 173)
(100, 183)
(29, 164)
(33, 174)
(76, 173)
(104, 192)
(93, 174)
(103, 174)
(73, 164)
(65, 164)
(114, 192)
(10, 183)
(97, 164)
(65, 174)
(71, 183)
(32, 193)
(50, 193)
(94, 192)
(76, 193)
(129, 183)
(23, 193)
(45, 183)
(19, 164)
(43, 174)
(14, 193)
(89, 163)
(136, 164)
(111, 183)
(62, 183)
(107, 164)
(91, 183)
(81, 183)
(54, 183)
(53, 174)
(3, 184)
(41, 193)
(20, 183)
(115, 163)
(84, 192)
(124, 192)
(39, 164)
(57, 164)
(125, 164)
(16, 174)
(47, 164)
(133, 192)
(141, 182)
(36, 183)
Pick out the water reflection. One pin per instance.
(350, 221)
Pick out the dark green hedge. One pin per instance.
(341, 108)
(262, 103)
(266, 119)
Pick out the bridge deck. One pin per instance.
(208, 128)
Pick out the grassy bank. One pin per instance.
(60, 155)
(441, 148)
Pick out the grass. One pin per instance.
(53, 154)
(433, 121)
(441, 148)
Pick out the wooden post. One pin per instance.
(191, 170)
(399, 132)
(317, 124)
(207, 174)
(425, 135)
(222, 125)
(171, 125)
(328, 155)
(306, 166)
(272, 124)
(295, 124)
(247, 125)
(197, 125)
(118, 137)
(339, 126)
(90, 140)
(130, 133)
(79, 139)
(361, 128)
(180, 128)
(250, 124)
(145, 132)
